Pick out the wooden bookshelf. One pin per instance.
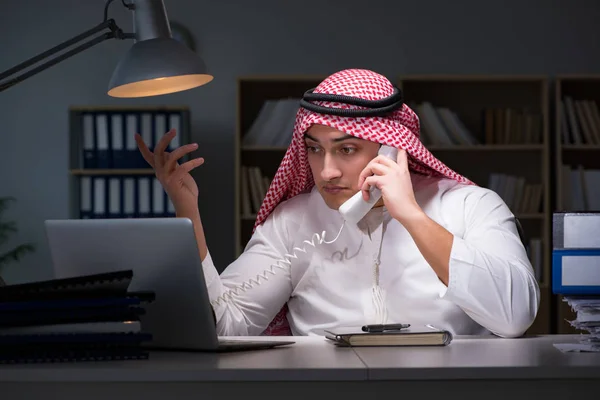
(577, 141)
(507, 119)
(252, 93)
(468, 97)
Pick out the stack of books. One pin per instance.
(576, 274)
(86, 318)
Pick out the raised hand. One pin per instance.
(175, 178)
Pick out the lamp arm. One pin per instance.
(115, 33)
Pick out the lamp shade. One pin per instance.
(157, 66)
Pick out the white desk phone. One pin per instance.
(352, 210)
(355, 208)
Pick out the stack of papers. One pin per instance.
(587, 309)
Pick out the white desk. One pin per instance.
(470, 368)
(477, 358)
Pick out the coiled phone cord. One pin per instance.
(283, 264)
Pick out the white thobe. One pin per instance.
(491, 289)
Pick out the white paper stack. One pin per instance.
(587, 309)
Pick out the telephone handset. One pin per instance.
(355, 208)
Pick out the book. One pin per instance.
(70, 315)
(110, 284)
(84, 327)
(129, 299)
(72, 340)
(419, 335)
(52, 355)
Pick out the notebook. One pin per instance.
(69, 347)
(103, 285)
(415, 335)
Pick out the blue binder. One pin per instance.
(576, 271)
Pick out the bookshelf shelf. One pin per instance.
(486, 147)
(112, 171)
(581, 147)
(531, 216)
(496, 134)
(577, 165)
(264, 148)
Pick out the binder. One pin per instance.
(144, 197)
(575, 253)
(88, 141)
(159, 208)
(85, 197)
(575, 230)
(58, 355)
(175, 123)
(118, 154)
(72, 347)
(103, 154)
(129, 199)
(71, 315)
(132, 154)
(87, 286)
(73, 304)
(160, 127)
(147, 130)
(115, 197)
(72, 328)
(99, 197)
(576, 271)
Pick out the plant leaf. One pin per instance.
(16, 253)
(6, 228)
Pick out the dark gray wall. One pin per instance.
(254, 37)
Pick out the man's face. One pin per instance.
(336, 160)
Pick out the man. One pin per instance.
(436, 249)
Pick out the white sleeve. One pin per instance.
(252, 289)
(490, 276)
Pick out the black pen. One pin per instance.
(384, 327)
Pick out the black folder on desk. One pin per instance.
(110, 284)
(84, 318)
(52, 348)
(425, 335)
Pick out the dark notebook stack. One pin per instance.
(86, 318)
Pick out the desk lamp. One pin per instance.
(156, 64)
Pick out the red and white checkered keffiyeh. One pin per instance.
(399, 129)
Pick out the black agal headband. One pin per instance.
(375, 108)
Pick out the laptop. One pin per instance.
(163, 255)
